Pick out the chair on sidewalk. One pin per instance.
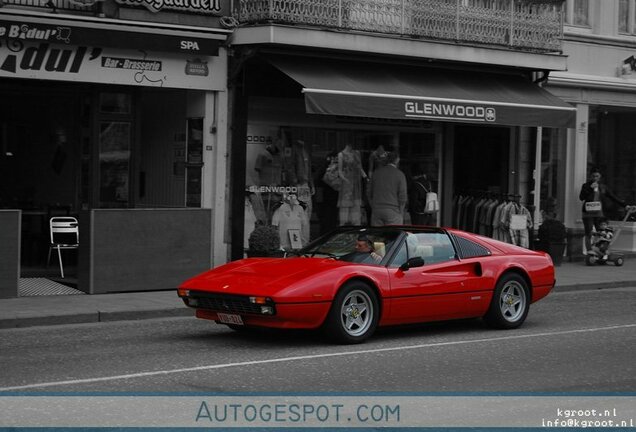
(64, 235)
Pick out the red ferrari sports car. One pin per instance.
(355, 279)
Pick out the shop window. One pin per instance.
(626, 13)
(114, 163)
(577, 13)
(285, 166)
(552, 195)
(194, 153)
(612, 149)
(169, 154)
(115, 103)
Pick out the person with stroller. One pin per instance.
(602, 238)
(596, 196)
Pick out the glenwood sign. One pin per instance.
(198, 6)
(450, 111)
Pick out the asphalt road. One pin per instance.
(572, 342)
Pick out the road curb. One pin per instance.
(112, 315)
(94, 317)
(132, 315)
(49, 320)
(594, 286)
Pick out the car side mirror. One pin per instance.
(412, 262)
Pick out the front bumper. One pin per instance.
(264, 313)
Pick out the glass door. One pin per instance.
(115, 135)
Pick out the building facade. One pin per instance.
(604, 94)
(452, 86)
(173, 129)
(114, 113)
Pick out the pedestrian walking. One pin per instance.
(388, 193)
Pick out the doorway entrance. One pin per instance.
(481, 159)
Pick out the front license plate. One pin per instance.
(230, 318)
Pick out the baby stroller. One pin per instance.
(600, 252)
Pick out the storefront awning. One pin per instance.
(109, 33)
(406, 92)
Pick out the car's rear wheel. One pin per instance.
(510, 302)
(354, 314)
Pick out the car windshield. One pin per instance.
(361, 245)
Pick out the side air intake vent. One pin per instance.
(470, 249)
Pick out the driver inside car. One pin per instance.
(364, 252)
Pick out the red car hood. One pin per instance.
(261, 276)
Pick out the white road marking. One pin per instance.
(306, 357)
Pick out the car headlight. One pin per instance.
(267, 310)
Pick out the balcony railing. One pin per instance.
(54, 5)
(534, 25)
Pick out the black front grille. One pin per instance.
(226, 303)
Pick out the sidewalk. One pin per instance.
(68, 309)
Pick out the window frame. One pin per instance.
(394, 263)
(631, 21)
(570, 14)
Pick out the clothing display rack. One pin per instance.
(499, 216)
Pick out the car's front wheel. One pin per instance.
(354, 314)
(510, 302)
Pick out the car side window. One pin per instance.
(400, 257)
(433, 247)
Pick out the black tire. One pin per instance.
(510, 302)
(619, 262)
(354, 314)
(590, 260)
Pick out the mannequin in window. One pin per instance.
(301, 176)
(419, 185)
(350, 194)
(291, 220)
(269, 165)
(327, 207)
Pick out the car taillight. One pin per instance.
(182, 292)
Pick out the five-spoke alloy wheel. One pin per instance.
(354, 313)
(510, 303)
